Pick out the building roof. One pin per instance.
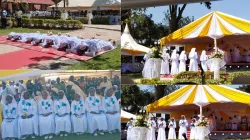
(47, 2)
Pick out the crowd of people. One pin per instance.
(157, 126)
(75, 45)
(86, 105)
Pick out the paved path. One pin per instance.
(104, 32)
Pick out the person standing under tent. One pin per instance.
(46, 116)
(203, 59)
(27, 111)
(152, 126)
(95, 114)
(235, 122)
(161, 130)
(192, 129)
(183, 59)
(183, 124)
(175, 63)
(172, 126)
(222, 124)
(78, 115)
(165, 62)
(193, 64)
(236, 55)
(130, 125)
(9, 124)
(212, 123)
(62, 112)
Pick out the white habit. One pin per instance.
(175, 63)
(203, 59)
(183, 124)
(161, 130)
(171, 132)
(165, 64)
(183, 59)
(152, 126)
(193, 64)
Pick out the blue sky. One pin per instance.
(238, 8)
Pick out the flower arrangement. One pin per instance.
(155, 53)
(216, 54)
(203, 122)
(141, 121)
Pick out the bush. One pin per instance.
(100, 20)
(83, 20)
(194, 74)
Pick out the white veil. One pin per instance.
(203, 56)
(183, 56)
(192, 53)
(174, 54)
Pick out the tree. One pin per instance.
(175, 15)
(163, 90)
(245, 88)
(56, 3)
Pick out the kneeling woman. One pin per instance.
(78, 116)
(60, 43)
(28, 121)
(46, 116)
(97, 121)
(112, 109)
(62, 118)
(9, 124)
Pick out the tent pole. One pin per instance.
(200, 112)
(215, 44)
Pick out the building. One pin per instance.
(25, 5)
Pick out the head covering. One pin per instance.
(192, 53)
(183, 56)
(174, 54)
(203, 56)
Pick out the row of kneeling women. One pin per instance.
(45, 117)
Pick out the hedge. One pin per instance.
(83, 20)
(100, 20)
(47, 23)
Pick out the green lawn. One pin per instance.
(115, 136)
(134, 75)
(27, 30)
(109, 60)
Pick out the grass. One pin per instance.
(133, 75)
(114, 136)
(110, 60)
(28, 30)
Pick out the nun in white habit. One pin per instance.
(161, 130)
(78, 115)
(193, 129)
(172, 126)
(62, 112)
(175, 63)
(27, 111)
(46, 116)
(152, 126)
(183, 124)
(111, 108)
(165, 62)
(203, 59)
(193, 64)
(183, 59)
(96, 118)
(9, 124)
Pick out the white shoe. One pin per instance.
(65, 135)
(61, 135)
(46, 137)
(50, 137)
(102, 133)
(33, 137)
(95, 134)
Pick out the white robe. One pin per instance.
(235, 124)
(171, 132)
(129, 130)
(46, 124)
(203, 59)
(236, 55)
(175, 65)
(27, 107)
(110, 104)
(165, 64)
(79, 123)
(152, 126)
(95, 121)
(9, 128)
(193, 131)
(183, 128)
(193, 64)
(63, 124)
(182, 66)
(161, 130)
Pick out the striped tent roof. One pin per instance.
(214, 25)
(125, 116)
(210, 96)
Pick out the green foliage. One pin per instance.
(237, 74)
(100, 20)
(25, 6)
(245, 88)
(141, 121)
(83, 20)
(155, 81)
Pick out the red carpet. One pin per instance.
(47, 50)
(22, 58)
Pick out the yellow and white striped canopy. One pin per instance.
(214, 97)
(214, 25)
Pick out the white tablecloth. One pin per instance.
(152, 68)
(201, 132)
(139, 133)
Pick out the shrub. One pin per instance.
(83, 20)
(100, 20)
